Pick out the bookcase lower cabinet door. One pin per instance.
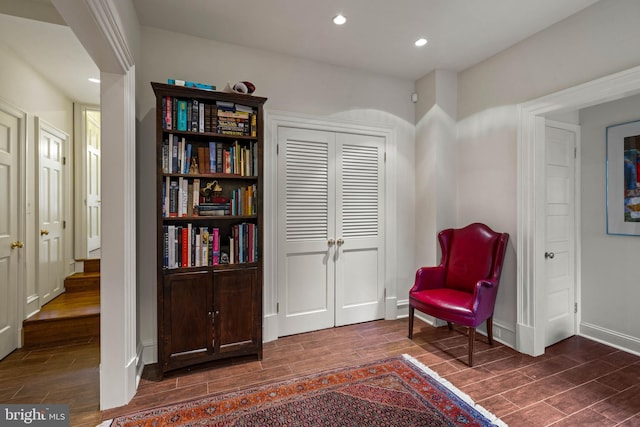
(238, 305)
(187, 319)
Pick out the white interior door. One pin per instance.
(330, 240)
(559, 234)
(51, 149)
(9, 249)
(306, 195)
(359, 251)
(93, 179)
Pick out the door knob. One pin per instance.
(44, 232)
(331, 242)
(340, 242)
(549, 255)
(16, 245)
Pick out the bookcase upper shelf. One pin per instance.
(194, 93)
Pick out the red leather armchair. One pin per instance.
(463, 288)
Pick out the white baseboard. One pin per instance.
(149, 352)
(611, 338)
(270, 328)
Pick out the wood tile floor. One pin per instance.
(577, 382)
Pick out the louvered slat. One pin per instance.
(307, 177)
(360, 194)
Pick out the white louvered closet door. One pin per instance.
(359, 256)
(329, 229)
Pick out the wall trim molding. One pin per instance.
(530, 184)
(611, 338)
(107, 18)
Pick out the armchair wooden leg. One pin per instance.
(490, 330)
(411, 313)
(472, 337)
(450, 325)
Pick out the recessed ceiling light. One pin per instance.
(420, 42)
(339, 19)
(94, 80)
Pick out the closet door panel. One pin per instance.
(306, 220)
(359, 256)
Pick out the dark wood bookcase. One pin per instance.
(209, 152)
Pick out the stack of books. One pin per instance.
(234, 119)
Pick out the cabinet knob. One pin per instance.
(340, 242)
(331, 242)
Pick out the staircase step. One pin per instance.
(68, 318)
(91, 265)
(78, 282)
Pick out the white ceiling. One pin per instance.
(378, 36)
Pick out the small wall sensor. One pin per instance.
(414, 97)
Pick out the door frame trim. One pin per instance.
(529, 249)
(276, 119)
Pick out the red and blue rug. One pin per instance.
(393, 392)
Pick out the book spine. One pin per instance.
(185, 196)
(190, 245)
(206, 160)
(201, 117)
(184, 251)
(187, 164)
(198, 244)
(210, 249)
(177, 247)
(165, 156)
(212, 157)
(205, 246)
(195, 110)
(173, 198)
(165, 246)
(216, 246)
(201, 167)
(173, 149)
(219, 158)
(182, 115)
(171, 250)
(196, 196)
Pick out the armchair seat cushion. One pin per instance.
(447, 304)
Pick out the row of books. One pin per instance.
(191, 246)
(179, 156)
(222, 117)
(181, 197)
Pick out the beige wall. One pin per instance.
(291, 85)
(610, 292)
(601, 40)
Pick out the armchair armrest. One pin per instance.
(484, 296)
(428, 278)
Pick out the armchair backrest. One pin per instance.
(472, 253)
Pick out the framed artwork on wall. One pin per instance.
(623, 179)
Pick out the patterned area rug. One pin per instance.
(394, 392)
